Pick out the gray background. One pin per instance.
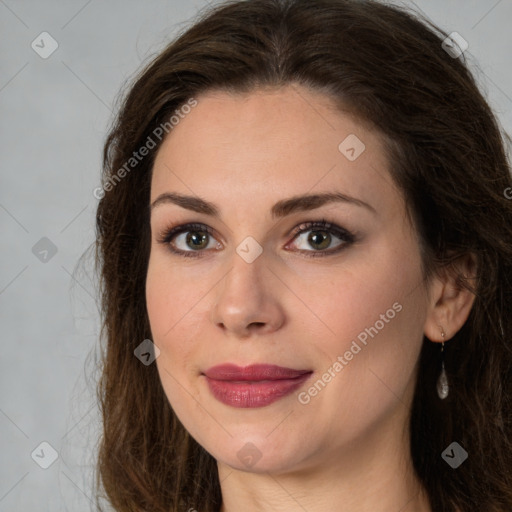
(55, 113)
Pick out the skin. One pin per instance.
(348, 448)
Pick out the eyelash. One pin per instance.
(323, 225)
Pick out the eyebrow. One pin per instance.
(280, 209)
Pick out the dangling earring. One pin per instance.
(442, 381)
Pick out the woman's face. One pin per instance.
(343, 305)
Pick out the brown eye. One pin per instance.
(321, 235)
(197, 241)
(189, 240)
(319, 239)
(192, 240)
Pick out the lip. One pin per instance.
(256, 385)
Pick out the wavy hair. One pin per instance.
(386, 65)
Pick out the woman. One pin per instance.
(305, 247)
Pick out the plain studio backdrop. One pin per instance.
(62, 65)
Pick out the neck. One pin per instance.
(374, 473)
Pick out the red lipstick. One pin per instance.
(255, 385)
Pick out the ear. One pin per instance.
(449, 302)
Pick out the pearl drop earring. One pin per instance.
(442, 381)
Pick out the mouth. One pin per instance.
(253, 386)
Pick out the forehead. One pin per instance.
(275, 142)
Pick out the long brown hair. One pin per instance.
(446, 150)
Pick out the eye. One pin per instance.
(321, 237)
(195, 238)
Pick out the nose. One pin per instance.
(248, 299)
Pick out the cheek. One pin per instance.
(171, 300)
(169, 307)
(373, 316)
(353, 303)
(176, 311)
(164, 312)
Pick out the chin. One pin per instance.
(256, 454)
